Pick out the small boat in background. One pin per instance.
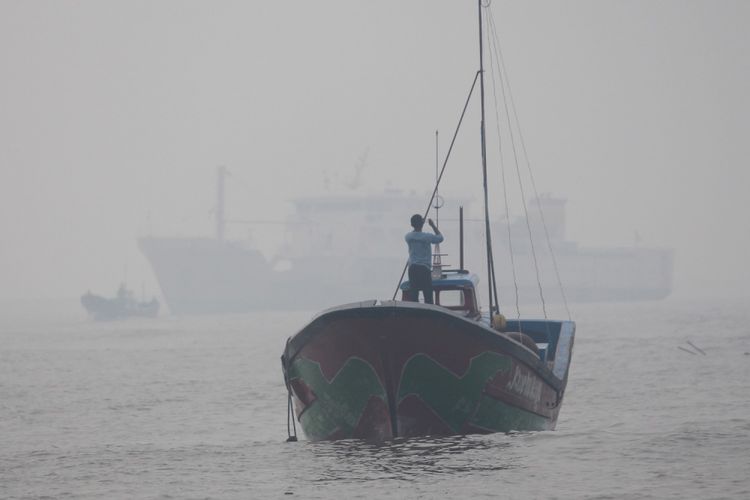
(124, 305)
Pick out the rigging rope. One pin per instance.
(502, 67)
(442, 171)
(492, 282)
(505, 186)
(518, 172)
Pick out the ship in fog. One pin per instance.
(336, 248)
(340, 248)
(123, 305)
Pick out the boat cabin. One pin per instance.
(454, 290)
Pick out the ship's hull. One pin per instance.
(208, 276)
(104, 309)
(397, 369)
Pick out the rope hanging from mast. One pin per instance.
(504, 183)
(523, 195)
(511, 112)
(442, 171)
(503, 71)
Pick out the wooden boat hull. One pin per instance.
(397, 369)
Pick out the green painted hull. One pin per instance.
(374, 371)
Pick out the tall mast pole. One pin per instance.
(490, 264)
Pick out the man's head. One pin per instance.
(417, 222)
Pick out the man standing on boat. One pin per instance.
(420, 258)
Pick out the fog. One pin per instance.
(115, 115)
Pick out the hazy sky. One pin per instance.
(115, 115)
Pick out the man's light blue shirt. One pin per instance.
(420, 247)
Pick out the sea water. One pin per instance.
(196, 408)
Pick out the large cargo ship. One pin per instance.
(347, 246)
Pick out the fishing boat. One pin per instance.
(384, 369)
(123, 305)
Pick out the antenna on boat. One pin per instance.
(461, 237)
(437, 184)
(437, 263)
(494, 307)
(221, 223)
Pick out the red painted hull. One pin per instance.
(399, 369)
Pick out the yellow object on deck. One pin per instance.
(498, 322)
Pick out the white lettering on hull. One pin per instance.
(526, 385)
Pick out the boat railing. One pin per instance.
(544, 333)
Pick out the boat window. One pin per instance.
(451, 298)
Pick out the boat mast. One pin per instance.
(490, 264)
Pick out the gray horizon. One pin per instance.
(115, 116)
